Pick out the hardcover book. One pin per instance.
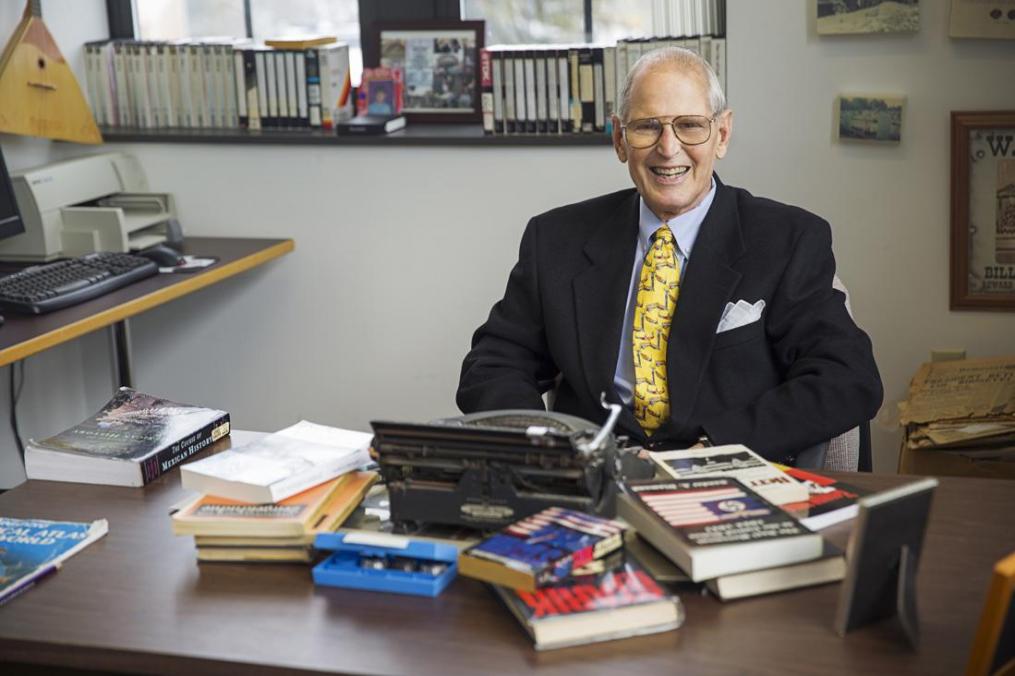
(541, 549)
(621, 602)
(279, 465)
(30, 549)
(322, 508)
(715, 527)
(829, 567)
(829, 501)
(134, 438)
(736, 461)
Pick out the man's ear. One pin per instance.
(724, 124)
(618, 140)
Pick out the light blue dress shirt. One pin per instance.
(685, 229)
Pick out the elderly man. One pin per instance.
(708, 312)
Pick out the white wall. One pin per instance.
(401, 251)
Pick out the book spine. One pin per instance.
(300, 83)
(520, 112)
(509, 93)
(598, 90)
(292, 96)
(262, 88)
(498, 92)
(269, 75)
(610, 85)
(587, 89)
(531, 111)
(252, 93)
(486, 84)
(173, 455)
(240, 80)
(552, 93)
(542, 121)
(564, 90)
(282, 90)
(575, 98)
(313, 86)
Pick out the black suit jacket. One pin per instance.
(802, 374)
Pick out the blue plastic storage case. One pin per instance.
(342, 568)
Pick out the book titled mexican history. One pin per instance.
(132, 440)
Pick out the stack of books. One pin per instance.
(219, 84)
(564, 576)
(266, 501)
(720, 532)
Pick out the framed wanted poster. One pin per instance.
(983, 211)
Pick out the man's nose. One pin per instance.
(668, 145)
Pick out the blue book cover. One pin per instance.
(31, 548)
(547, 545)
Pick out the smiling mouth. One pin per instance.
(670, 172)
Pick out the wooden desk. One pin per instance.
(138, 601)
(22, 336)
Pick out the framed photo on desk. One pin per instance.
(440, 63)
(983, 211)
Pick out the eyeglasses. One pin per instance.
(691, 130)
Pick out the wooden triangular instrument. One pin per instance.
(39, 95)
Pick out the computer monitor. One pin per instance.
(10, 217)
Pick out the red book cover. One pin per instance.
(829, 501)
(380, 92)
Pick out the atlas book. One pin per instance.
(279, 465)
(32, 549)
(715, 527)
(541, 549)
(829, 501)
(134, 439)
(736, 461)
(321, 508)
(617, 603)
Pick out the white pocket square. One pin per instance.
(740, 314)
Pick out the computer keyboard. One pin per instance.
(52, 286)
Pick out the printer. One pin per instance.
(95, 203)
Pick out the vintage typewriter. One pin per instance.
(486, 470)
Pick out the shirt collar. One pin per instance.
(684, 227)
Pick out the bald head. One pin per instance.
(678, 59)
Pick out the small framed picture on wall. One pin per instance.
(983, 211)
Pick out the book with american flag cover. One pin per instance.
(541, 549)
(715, 527)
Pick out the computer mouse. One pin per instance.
(164, 256)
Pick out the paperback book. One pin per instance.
(620, 602)
(736, 461)
(829, 501)
(320, 509)
(31, 549)
(135, 438)
(541, 549)
(279, 465)
(715, 527)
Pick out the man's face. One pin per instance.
(672, 177)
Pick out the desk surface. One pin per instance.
(138, 600)
(22, 336)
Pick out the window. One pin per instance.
(257, 19)
(561, 21)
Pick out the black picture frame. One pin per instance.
(883, 555)
(441, 84)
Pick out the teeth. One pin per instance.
(669, 171)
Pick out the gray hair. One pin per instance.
(679, 58)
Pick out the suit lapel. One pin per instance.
(705, 289)
(600, 297)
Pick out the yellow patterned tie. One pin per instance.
(653, 312)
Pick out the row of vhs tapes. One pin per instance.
(217, 84)
(570, 89)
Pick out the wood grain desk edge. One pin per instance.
(143, 303)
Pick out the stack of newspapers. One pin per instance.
(267, 500)
(965, 406)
